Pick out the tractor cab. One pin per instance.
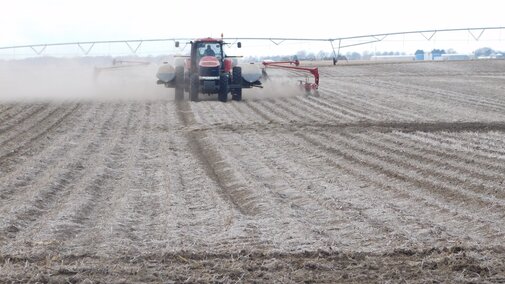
(209, 49)
(202, 49)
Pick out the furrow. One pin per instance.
(381, 213)
(349, 105)
(414, 174)
(428, 167)
(368, 107)
(472, 99)
(205, 149)
(401, 105)
(449, 96)
(39, 131)
(336, 108)
(443, 149)
(460, 144)
(441, 158)
(5, 108)
(246, 113)
(117, 208)
(34, 169)
(234, 116)
(35, 209)
(212, 191)
(101, 171)
(28, 112)
(302, 219)
(202, 111)
(214, 111)
(25, 121)
(291, 110)
(308, 113)
(325, 112)
(448, 213)
(263, 112)
(280, 110)
(480, 142)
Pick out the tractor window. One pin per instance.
(209, 49)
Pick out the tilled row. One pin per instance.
(385, 187)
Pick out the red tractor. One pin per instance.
(208, 70)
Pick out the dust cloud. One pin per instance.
(98, 79)
(50, 79)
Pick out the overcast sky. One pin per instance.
(39, 21)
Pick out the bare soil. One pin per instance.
(393, 174)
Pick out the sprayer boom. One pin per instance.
(295, 65)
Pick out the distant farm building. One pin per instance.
(455, 57)
(393, 58)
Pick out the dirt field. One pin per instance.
(395, 173)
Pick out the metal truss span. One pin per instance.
(135, 44)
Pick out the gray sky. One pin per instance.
(37, 21)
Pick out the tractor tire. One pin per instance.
(186, 82)
(237, 80)
(194, 87)
(179, 83)
(222, 95)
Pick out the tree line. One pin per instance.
(366, 55)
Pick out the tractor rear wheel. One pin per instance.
(179, 83)
(237, 81)
(222, 96)
(194, 86)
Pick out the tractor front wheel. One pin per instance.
(194, 86)
(223, 88)
(237, 81)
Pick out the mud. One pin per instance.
(380, 179)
